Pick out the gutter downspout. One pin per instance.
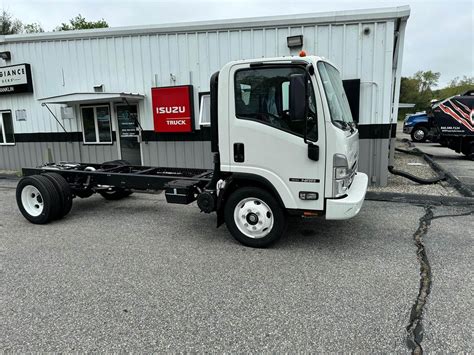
(396, 77)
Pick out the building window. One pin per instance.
(262, 95)
(96, 123)
(204, 109)
(7, 136)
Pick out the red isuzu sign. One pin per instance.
(173, 108)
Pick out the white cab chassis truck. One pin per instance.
(283, 140)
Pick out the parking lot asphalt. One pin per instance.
(142, 275)
(458, 164)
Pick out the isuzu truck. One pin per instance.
(283, 141)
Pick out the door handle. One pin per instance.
(239, 152)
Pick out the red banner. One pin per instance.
(173, 109)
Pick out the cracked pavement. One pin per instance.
(142, 275)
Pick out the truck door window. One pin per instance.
(262, 95)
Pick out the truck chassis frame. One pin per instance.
(82, 177)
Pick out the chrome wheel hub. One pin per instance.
(253, 217)
(419, 134)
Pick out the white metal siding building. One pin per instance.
(84, 77)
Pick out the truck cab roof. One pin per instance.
(285, 59)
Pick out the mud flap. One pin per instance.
(221, 202)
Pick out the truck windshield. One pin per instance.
(336, 96)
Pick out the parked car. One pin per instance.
(417, 126)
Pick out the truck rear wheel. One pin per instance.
(37, 199)
(115, 193)
(64, 191)
(254, 217)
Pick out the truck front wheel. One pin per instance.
(254, 217)
(419, 134)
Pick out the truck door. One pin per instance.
(266, 143)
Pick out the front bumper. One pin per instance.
(349, 206)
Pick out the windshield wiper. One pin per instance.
(346, 125)
(353, 126)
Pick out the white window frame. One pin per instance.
(2, 131)
(97, 142)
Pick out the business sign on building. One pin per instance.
(173, 109)
(15, 79)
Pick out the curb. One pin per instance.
(419, 199)
(452, 180)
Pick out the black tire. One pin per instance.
(419, 134)
(277, 213)
(443, 142)
(49, 199)
(468, 150)
(115, 194)
(64, 191)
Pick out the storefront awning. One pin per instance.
(91, 97)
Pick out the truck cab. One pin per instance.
(284, 127)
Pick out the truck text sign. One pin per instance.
(172, 108)
(15, 79)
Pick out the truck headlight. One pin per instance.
(341, 172)
(343, 175)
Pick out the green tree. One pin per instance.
(417, 90)
(455, 87)
(80, 23)
(33, 28)
(427, 79)
(11, 26)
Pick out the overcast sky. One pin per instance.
(440, 34)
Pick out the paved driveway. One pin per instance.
(142, 275)
(461, 167)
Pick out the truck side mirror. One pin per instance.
(297, 97)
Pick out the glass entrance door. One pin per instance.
(127, 117)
